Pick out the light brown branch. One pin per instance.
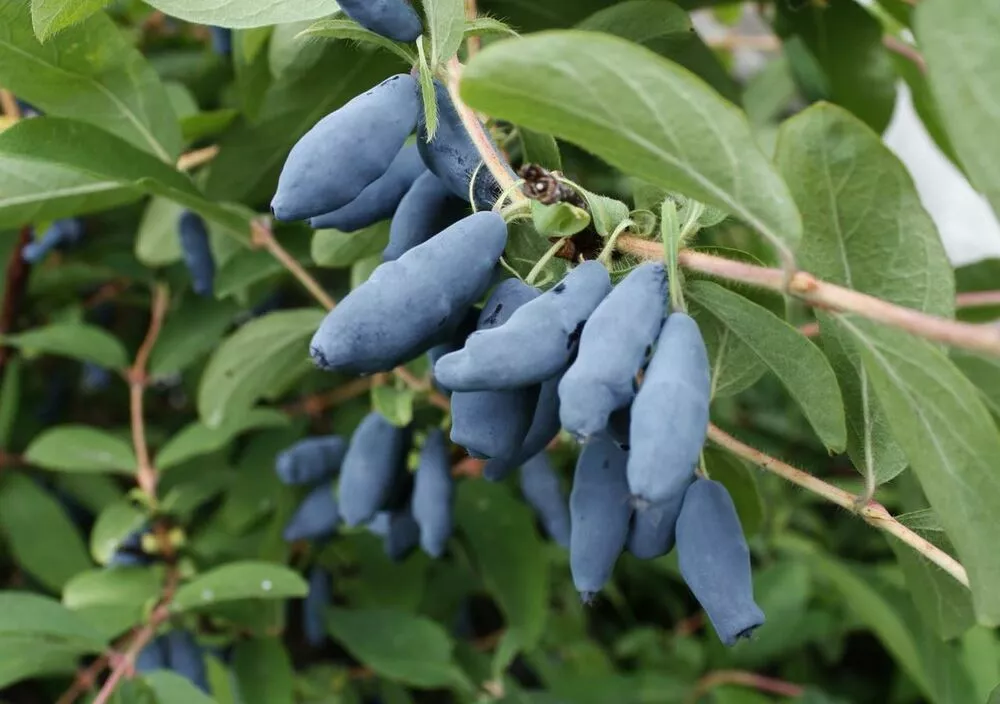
(871, 512)
(419, 385)
(84, 680)
(907, 51)
(752, 42)
(317, 403)
(978, 299)
(198, 157)
(9, 104)
(145, 472)
(263, 237)
(472, 44)
(744, 679)
(820, 294)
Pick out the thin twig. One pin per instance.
(317, 403)
(146, 475)
(820, 294)
(15, 286)
(907, 51)
(262, 236)
(752, 42)
(84, 680)
(198, 157)
(978, 299)
(9, 105)
(871, 512)
(745, 679)
(436, 399)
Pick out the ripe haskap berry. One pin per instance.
(653, 529)
(614, 346)
(453, 157)
(670, 413)
(495, 423)
(537, 342)
(541, 488)
(61, 233)
(311, 460)
(152, 657)
(347, 150)
(426, 209)
(222, 40)
(393, 19)
(544, 427)
(315, 605)
(599, 509)
(380, 198)
(409, 305)
(197, 252)
(186, 658)
(369, 472)
(316, 517)
(715, 561)
(402, 536)
(433, 494)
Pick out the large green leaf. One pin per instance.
(865, 229)
(87, 343)
(238, 581)
(735, 366)
(397, 645)
(959, 43)
(342, 249)
(90, 73)
(80, 448)
(793, 358)
(246, 13)
(158, 242)
(640, 113)
(198, 439)
(173, 688)
(250, 360)
(115, 599)
(39, 533)
(846, 43)
(984, 372)
(950, 441)
(51, 16)
(446, 26)
(264, 672)
(511, 560)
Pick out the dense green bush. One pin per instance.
(172, 532)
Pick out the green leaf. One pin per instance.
(198, 439)
(944, 604)
(91, 73)
(251, 266)
(950, 440)
(190, 332)
(332, 248)
(640, 113)
(446, 25)
(982, 371)
(80, 147)
(541, 149)
(80, 448)
(958, 41)
(51, 16)
(237, 581)
(846, 43)
(428, 95)
(158, 242)
(735, 366)
(10, 399)
(511, 560)
(264, 672)
(486, 26)
(249, 361)
(559, 219)
(395, 404)
(115, 599)
(342, 28)
(796, 361)
(113, 525)
(396, 645)
(246, 13)
(87, 343)
(40, 535)
(172, 688)
(21, 660)
(866, 230)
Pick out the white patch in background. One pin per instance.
(969, 229)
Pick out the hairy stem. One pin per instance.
(198, 157)
(263, 237)
(871, 512)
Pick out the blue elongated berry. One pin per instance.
(311, 460)
(403, 534)
(381, 197)
(541, 488)
(95, 377)
(544, 427)
(186, 658)
(369, 472)
(197, 252)
(670, 413)
(599, 509)
(409, 305)
(28, 110)
(152, 657)
(426, 209)
(394, 19)
(61, 233)
(452, 156)
(347, 150)
(653, 529)
(316, 517)
(222, 40)
(433, 493)
(379, 524)
(315, 605)
(614, 346)
(537, 342)
(495, 423)
(129, 552)
(715, 561)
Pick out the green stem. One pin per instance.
(540, 264)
